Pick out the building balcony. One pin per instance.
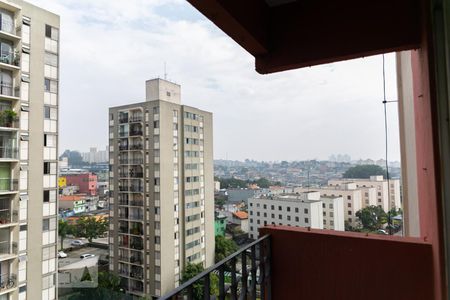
(9, 153)
(136, 133)
(123, 120)
(136, 119)
(8, 250)
(123, 147)
(136, 147)
(301, 263)
(8, 31)
(131, 174)
(7, 283)
(136, 217)
(137, 203)
(8, 217)
(134, 259)
(132, 161)
(8, 185)
(137, 245)
(10, 61)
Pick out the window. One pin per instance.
(156, 110)
(306, 220)
(51, 86)
(280, 217)
(257, 222)
(349, 205)
(280, 208)
(265, 215)
(49, 140)
(175, 113)
(257, 204)
(349, 197)
(331, 206)
(323, 205)
(296, 209)
(46, 225)
(251, 228)
(51, 59)
(155, 124)
(272, 207)
(288, 218)
(157, 240)
(349, 212)
(50, 113)
(331, 214)
(251, 213)
(257, 213)
(51, 32)
(46, 196)
(297, 219)
(305, 210)
(379, 193)
(265, 206)
(288, 208)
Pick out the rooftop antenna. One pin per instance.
(165, 71)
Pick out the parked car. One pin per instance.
(77, 243)
(382, 231)
(61, 254)
(87, 255)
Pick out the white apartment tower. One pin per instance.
(162, 190)
(29, 58)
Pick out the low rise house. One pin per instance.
(240, 218)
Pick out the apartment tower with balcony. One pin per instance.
(29, 46)
(162, 190)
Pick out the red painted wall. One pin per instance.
(325, 265)
(87, 182)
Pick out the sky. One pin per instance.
(109, 49)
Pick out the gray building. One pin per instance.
(29, 58)
(162, 190)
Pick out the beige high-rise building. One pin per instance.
(29, 58)
(162, 190)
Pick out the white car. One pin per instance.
(77, 243)
(87, 255)
(61, 254)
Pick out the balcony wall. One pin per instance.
(322, 264)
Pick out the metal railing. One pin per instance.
(6, 89)
(123, 147)
(251, 281)
(7, 281)
(136, 260)
(132, 161)
(136, 147)
(8, 247)
(123, 120)
(133, 119)
(8, 185)
(9, 152)
(136, 132)
(137, 203)
(10, 58)
(137, 245)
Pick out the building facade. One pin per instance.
(86, 182)
(302, 210)
(387, 197)
(29, 58)
(162, 190)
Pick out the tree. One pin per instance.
(63, 230)
(189, 272)
(263, 183)
(224, 248)
(91, 228)
(364, 171)
(74, 158)
(372, 217)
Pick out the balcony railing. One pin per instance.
(123, 120)
(8, 248)
(8, 185)
(132, 161)
(131, 174)
(7, 217)
(6, 89)
(137, 245)
(10, 58)
(135, 132)
(136, 260)
(137, 202)
(252, 280)
(123, 147)
(136, 147)
(134, 119)
(9, 152)
(7, 281)
(136, 217)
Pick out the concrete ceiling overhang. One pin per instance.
(289, 34)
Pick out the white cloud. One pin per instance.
(110, 47)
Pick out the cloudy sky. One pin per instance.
(109, 49)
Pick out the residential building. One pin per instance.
(76, 203)
(352, 199)
(29, 44)
(94, 156)
(162, 190)
(240, 219)
(333, 213)
(301, 210)
(86, 181)
(386, 197)
(220, 224)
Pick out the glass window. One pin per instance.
(51, 59)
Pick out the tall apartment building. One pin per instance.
(303, 210)
(29, 46)
(386, 196)
(162, 190)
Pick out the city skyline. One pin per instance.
(271, 117)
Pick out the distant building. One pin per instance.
(76, 203)
(386, 197)
(351, 195)
(239, 195)
(333, 213)
(240, 218)
(301, 210)
(220, 224)
(87, 182)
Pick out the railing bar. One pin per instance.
(221, 283)
(262, 274)
(233, 279)
(244, 278)
(206, 289)
(253, 270)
